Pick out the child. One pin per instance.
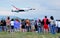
(12, 25)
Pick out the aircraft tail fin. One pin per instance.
(16, 7)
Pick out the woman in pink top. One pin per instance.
(8, 24)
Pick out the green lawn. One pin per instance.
(27, 35)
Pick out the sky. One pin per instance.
(43, 8)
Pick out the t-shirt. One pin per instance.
(16, 24)
(12, 23)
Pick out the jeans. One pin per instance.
(2, 28)
(53, 29)
(39, 29)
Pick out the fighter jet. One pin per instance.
(21, 10)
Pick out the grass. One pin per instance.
(27, 35)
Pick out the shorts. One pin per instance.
(12, 27)
(46, 27)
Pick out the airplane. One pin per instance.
(21, 10)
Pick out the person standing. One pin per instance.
(32, 26)
(39, 26)
(8, 24)
(23, 25)
(36, 27)
(45, 23)
(17, 25)
(53, 25)
(3, 25)
(28, 26)
(12, 25)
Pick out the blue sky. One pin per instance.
(43, 7)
